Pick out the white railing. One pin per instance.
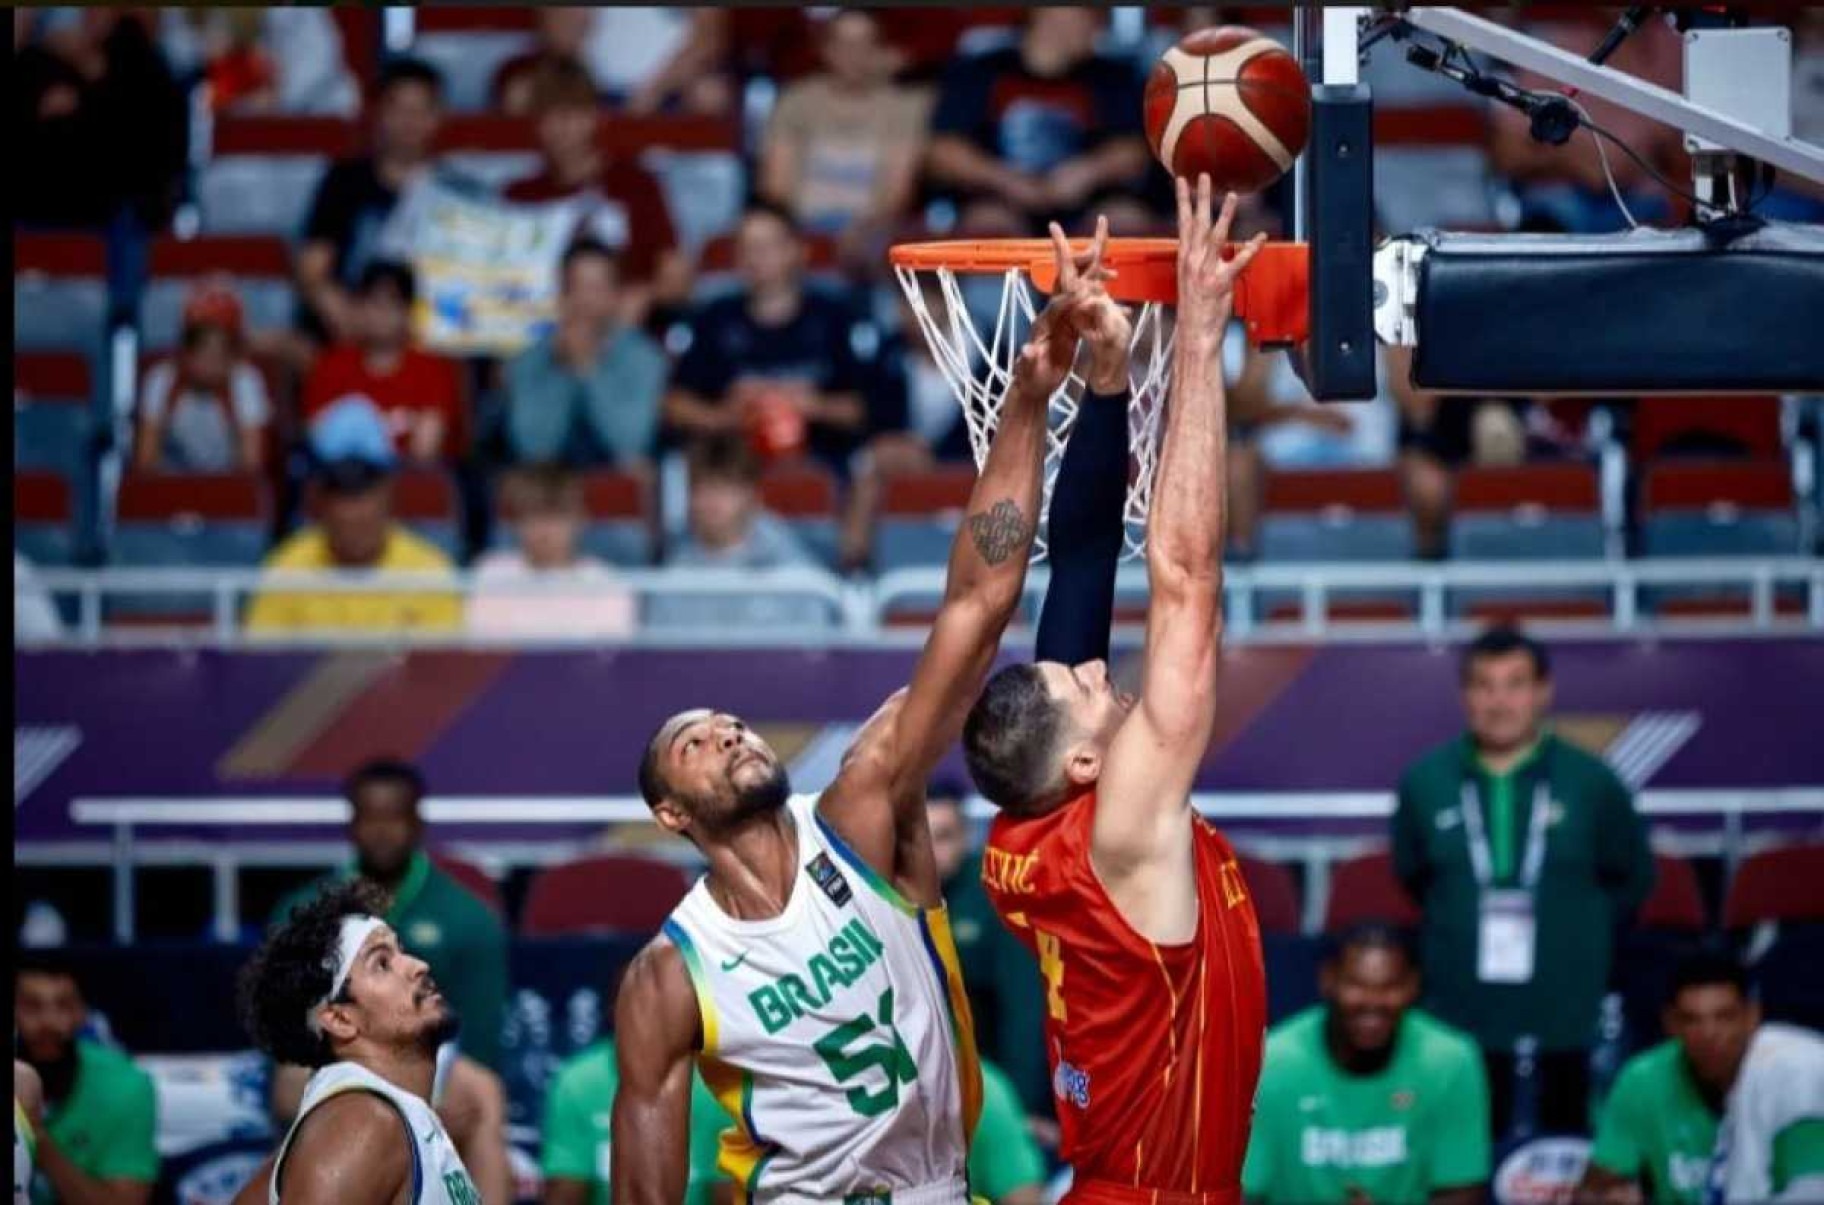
(1343, 824)
(862, 610)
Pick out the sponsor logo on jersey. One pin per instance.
(1010, 873)
(1071, 1083)
(879, 1196)
(1401, 1101)
(729, 964)
(826, 876)
(1377, 1146)
(839, 965)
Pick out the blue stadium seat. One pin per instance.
(1716, 509)
(1335, 515)
(619, 529)
(425, 501)
(260, 268)
(60, 292)
(178, 521)
(919, 514)
(804, 495)
(1543, 512)
(44, 527)
(265, 170)
(53, 412)
(469, 59)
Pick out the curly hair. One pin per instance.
(293, 969)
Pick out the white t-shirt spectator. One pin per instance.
(584, 600)
(202, 429)
(627, 46)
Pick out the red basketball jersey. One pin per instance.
(1155, 1050)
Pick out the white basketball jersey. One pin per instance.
(438, 1176)
(22, 1155)
(1779, 1090)
(836, 1034)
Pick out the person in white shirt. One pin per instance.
(204, 410)
(543, 586)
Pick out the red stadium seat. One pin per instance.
(1364, 491)
(230, 254)
(1275, 894)
(40, 497)
(1365, 889)
(59, 254)
(1676, 902)
(611, 495)
(609, 893)
(477, 881)
(53, 376)
(799, 491)
(932, 493)
(620, 134)
(1777, 885)
(424, 496)
(1753, 485)
(258, 134)
(458, 18)
(1752, 422)
(1566, 488)
(619, 506)
(184, 498)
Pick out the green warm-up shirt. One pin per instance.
(1002, 979)
(441, 921)
(1416, 1126)
(107, 1126)
(1003, 1155)
(1655, 1125)
(1597, 869)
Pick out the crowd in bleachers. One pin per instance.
(240, 187)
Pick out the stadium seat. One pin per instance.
(1716, 509)
(804, 495)
(60, 291)
(1777, 885)
(1364, 889)
(44, 527)
(609, 893)
(1676, 902)
(619, 530)
(425, 500)
(259, 266)
(53, 412)
(468, 57)
(919, 513)
(1708, 426)
(1347, 515)
(477, 881)
(1540, 512)
(170, 520)
(264, 171)
(1275, 894)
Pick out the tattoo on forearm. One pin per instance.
(1000, 531)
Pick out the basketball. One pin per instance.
(1231, 102)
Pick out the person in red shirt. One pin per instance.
(418, 394)
(629, 212)
(1134, 905)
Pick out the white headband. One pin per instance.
(355, 932)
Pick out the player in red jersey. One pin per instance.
(1134, 905)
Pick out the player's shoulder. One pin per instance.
(1298, 1034)
(116, 1067)
(1441, 1046)
(1649, 1071)
(354, 1131)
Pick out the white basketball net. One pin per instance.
(980, 371)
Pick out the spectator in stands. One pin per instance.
(626, 208)
(1725, 1105)
(1045, 130)
(419, 395)
(342, 234)
(436, 917)
(271, 60)
(1003, 980)
(633, 55)
(1365, 1097)
(204, 410)
(99, 123)
(777, 355)
(351, 491)
(843, 146)
(543, 586)
(1525, 855)
(574, 1157)
(589, 394)
(1566, 188)
(96, 1140)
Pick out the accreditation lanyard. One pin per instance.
(1507, 931)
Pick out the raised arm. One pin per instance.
(656, 1034)
(877, 802)
(1143, 797)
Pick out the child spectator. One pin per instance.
(843, 146)
(589, 393)
(205, 409)
(627, 209)
(419, 395)
(342, 235)
(544, 506)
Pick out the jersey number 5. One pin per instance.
(890, 1056)
(1051, 965)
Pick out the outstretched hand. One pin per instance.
(1206, 279)
(1080, 309)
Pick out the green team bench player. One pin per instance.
(1726, 1109)
(1364, 1098)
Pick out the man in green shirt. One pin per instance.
(437, 918)
(1364, 1098)
(95, 1143)
(1525, 855)
(1661, 1135)
(1005, 1163)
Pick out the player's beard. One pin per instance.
(748, 802)
(444, 1029)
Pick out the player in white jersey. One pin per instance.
(330, 989)
(811, 973)
(28, 1105)
(1770, 1146)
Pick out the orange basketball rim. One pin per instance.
(1270, 297)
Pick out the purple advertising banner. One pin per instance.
(173, 724)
